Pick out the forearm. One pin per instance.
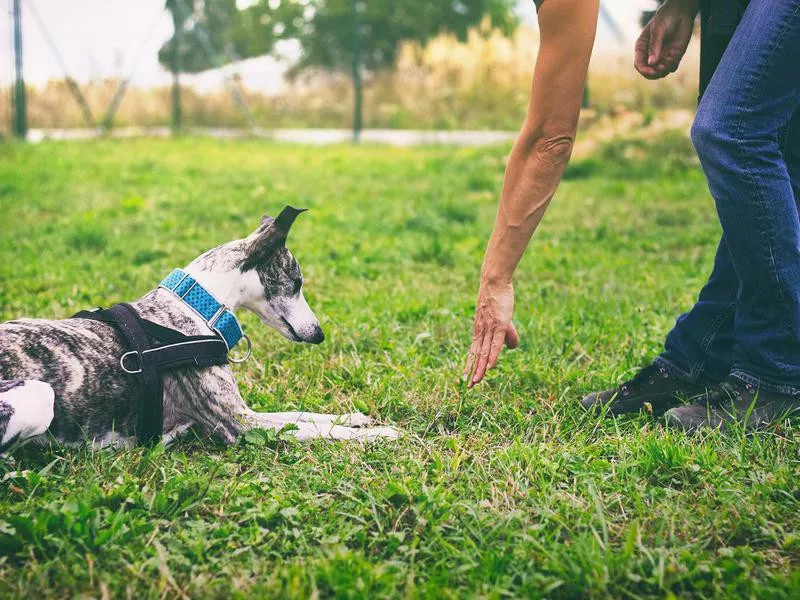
(535, 167)
(541, 153)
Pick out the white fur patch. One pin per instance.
(33, 410)
(300, 316)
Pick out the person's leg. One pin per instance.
(791, 154)
(735, 400)
(698, 349)
(700, 344)
(737, 133)
(747, 135)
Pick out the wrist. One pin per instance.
(495, 280)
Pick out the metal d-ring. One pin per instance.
(249, 351)
(126, 369)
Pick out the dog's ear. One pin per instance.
(285, 220)
(271, 236)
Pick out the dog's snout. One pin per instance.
(317, 336)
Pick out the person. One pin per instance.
(736, 354)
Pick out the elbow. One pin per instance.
(553, 149)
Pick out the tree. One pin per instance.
(336, 35)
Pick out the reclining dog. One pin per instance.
(75, 380)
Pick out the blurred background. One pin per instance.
(79, 68)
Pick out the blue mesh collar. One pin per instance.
(216, 315)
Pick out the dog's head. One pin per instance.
(272, 282)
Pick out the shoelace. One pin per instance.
(728, 392)
(648, 373)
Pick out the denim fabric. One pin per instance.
(719, 19)
(746, 321)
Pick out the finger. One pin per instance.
(469, 365)
(477, 338)
(675, 58)
(667, 62)
(495, 348)
(473, 377)
(659, 73)
(471, 354)
(641, 48)
(657, 36)
(643, 68)
(483, 355)
(512, 337)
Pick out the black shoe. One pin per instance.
(653, 386)
(734, 401)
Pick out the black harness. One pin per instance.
(155, 350)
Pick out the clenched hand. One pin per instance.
(664, 40)
(492, 329)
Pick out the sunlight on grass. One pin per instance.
(507, 490)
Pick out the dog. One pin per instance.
(64, 379)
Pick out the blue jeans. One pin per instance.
(746, 321)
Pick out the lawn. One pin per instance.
(504, 490)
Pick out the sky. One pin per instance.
(115, 38)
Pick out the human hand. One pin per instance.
(492, 328)
(664, 40)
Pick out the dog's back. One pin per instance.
(78, 358)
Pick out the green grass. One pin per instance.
(506, 490)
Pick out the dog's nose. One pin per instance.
(317, 337)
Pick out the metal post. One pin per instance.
(175, 67)
(20, 106)
(358, 93)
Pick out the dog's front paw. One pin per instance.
(355, 419)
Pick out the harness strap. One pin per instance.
(148, 362)
(198, 353)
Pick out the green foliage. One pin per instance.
(327, 30)
(508, 490)
(329, 36)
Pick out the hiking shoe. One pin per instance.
(652, 385)
(734, 401)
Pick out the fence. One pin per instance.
(480, 82)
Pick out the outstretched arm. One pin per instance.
(535, 166)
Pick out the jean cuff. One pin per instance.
(765, 384)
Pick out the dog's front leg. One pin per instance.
(209, 400)
(310, 430)
(212, 401)
(355, 419)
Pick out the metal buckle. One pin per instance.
(177, 285)
(249, 351)
(122, 362)
(213, 320)
(189, 289)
